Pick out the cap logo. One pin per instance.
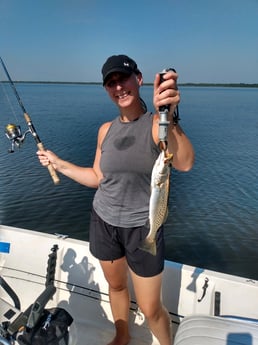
(126, 64)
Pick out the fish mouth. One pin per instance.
(168, 158)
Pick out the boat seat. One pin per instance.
(213, 330)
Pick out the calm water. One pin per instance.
(213, 217)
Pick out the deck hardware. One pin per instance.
(205, 287)
(61, 236)
(217, 303)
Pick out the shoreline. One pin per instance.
(241, 85)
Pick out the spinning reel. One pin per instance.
(14, 134)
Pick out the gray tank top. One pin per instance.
(127, 158)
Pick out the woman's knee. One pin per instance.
(117, 286)
(152, 310)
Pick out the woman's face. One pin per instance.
(123, 89)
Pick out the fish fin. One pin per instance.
(165, 217)
(149, 247)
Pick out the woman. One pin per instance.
(126, 151)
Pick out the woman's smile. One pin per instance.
(123, 94)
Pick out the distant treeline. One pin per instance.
(220, 84)
(180, 84)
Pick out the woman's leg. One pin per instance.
(116, 274)
(148, 295)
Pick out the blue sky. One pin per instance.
(69, 40)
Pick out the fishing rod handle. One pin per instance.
(40, 146)
(165, 108)
(50, 167)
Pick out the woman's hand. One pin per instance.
(166, 93)
(47, 157)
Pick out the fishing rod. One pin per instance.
(163, 113)
(14, 133)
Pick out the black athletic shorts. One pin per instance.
(108, 243)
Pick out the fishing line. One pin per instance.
(8, 100)
(14, 133)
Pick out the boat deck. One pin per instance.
(96, 331)
(91, 326)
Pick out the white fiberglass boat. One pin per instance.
(205, 307)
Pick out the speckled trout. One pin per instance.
(158, 208)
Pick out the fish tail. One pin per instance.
(149, 246)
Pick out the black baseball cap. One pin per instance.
(118, 63)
